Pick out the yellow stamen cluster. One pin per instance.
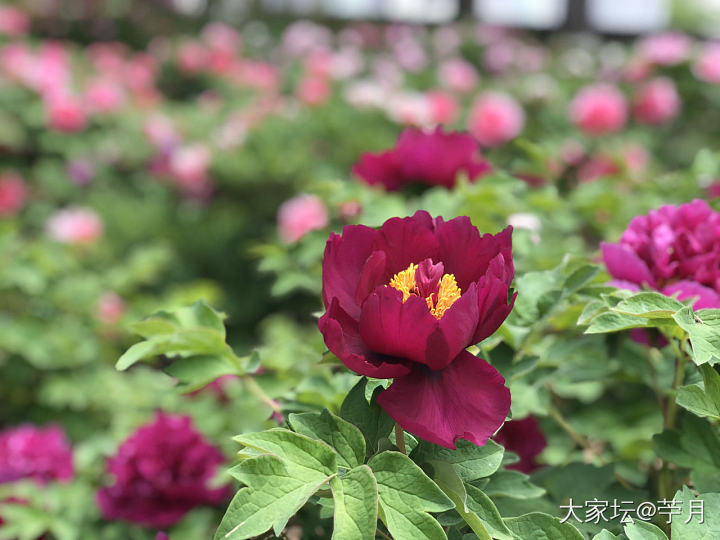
(448, 291)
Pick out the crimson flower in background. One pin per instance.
(432, 158)
(524, 438)
(404, 302)
(42, 454)
(674, 249)
(161, 473)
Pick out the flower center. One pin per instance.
(427, 280)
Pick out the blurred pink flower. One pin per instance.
(656, 102)
(599, 109)
(446, 40)
(189, 166)
(572, 152)
(301, 37)
(65, 113)
(707, 65)
(13, 194)
(598, 166)
(222, 37)
(313, 90)
(13, 21)
(410, 108)
(110, 308)
(81, 171)
(495, 118)
(298, 216)
(103, 95)
(666, 49)
(40, 454)
(75, 225)
(713, 190)
(443, 107)
(525, 438)
(193, 57)
(365, 93)
(458, 75)
(349, 210)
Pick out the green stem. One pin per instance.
(255, 389)
(579, 439)
(400, 438)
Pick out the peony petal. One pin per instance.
(395, 328)
(467, 255)
(707, 298)
(466, 400)
(622, 263)
(343, 262)
(342, 337)
(493, 306)
(407, 241)
(456, 330)
(373, 274)
(382, 168)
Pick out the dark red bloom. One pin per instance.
(42, 454)
(161, 473)
(674, 249)
(524, 438)
(404, 302)
(434, 159)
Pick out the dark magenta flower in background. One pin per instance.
(674, 249)
(433, 158)
(524, 438)
(162, 472)
(404, 302)
(41, 454)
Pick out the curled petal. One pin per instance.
(373, 274)
(343, 263)
(624, 264)
(342, 337)
(493, 306)
(396, 328)
(466, 400)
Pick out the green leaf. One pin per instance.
(580, 277)
(342, 436)
(370, 418)
(469, 460)
(651, 305)
(276, 491)
(482, 506)
(197, 371)
(134, 354)
(605, 535)
(539, 526)
(702, 400)
(307, 454)
(356, 503)
(705, 338)
(406, 496)
(614, 322)
(512, 484)
(687, 526)
(644, 531)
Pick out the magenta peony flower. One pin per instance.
(656, 101)
(495, 119)
(41, 454)
(599, 109)
(298, 216)
(707, 65)
(524, 438)
(75, 225)
(674, 249)
(434, 159)
(404, 302)
(161, 473)
(13, 194)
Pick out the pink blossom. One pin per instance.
(189, 166)
(103, 95)
(110, 308)
(161, 132)
(458, 75)
(75, 225)
(707, 65)
(301, 37)
(349, 210)
(495, 118)
(599, 109)
(13, 194)
(161, 473)
(192, 57)
(443, 107)
(298, 216)
(313, 90)
(410, 108)
(221, 37)
(65, 113)
(656, 101)
(667, 49)
(41, 454)
(13, 21)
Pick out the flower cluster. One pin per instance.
(40, 454)
(674, 249)
(161, 473)
(404, 302)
